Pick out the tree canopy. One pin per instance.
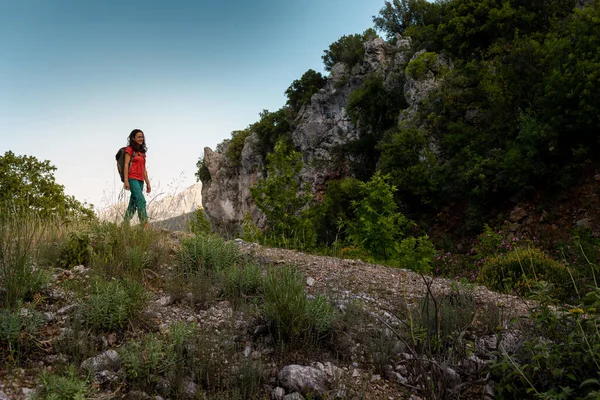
(26, 182)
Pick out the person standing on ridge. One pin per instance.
(135, 175)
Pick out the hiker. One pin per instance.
(135, 175)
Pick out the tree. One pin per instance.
(26, 182)
(301, 90)
(377, 226)
(281, 198)
(348, 49)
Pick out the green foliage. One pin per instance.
(27, 183)
(75, 250)
(203, 174)
(417, 19)
(335, 210)
(125, 251)
(185, 353)
(412, 166)
(144, 361)
(233, 151)
(242, 281)
(199, 223)
(272, 128)
(420, 66)
(378, 226)
(301, 90)
(20, 278)
(291, 314)
(415, 253)
(560, 356)
(209, 252)
(281, 198)
(19, 331)
(67, 386)
(112, 304)
(520, 268)
(251, 232)
(349, 49)
(373, 108)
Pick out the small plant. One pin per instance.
(207, 251)
(66, 386)
(20, 278)
(241, 280)
(199, 223)
(423, 63)
(252, 233)
(19, 331)
(124, 251)
(560, 356)
(291, 314)
(112, 304)
(75, 250)
(518, 269)
(145, 360)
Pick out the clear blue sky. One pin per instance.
(76, 76)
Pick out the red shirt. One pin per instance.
(138, 164)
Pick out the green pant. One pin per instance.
(136, 201)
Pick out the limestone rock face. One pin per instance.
(318, 129)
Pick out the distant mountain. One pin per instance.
(165, 208)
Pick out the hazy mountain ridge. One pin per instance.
(167, 207)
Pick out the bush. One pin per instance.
(199, 223)
(20, 279)
(120, 250)
(520, 268)
(291, 314)
(560, 356)
(207, 252)
(19, 331)
(203, 174)
(241, 280)
(67, 386)
(423, 63)
(75, 250)
(301, 90)
(348, 49)
(112, 304)
(233, 151)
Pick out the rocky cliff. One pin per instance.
(318, 129)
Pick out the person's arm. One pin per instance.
(126, 171)
(148, 188)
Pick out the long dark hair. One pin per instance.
(136, 147)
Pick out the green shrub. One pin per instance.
(301, 90)
(19, 331)
(283, 200)
(377, 226)
(418, 68)
(120, 250)
(199, 223)
(415, 254)
(291, 314)
(112, 304)
(20, 279)
(207, 252)
(241, 281)
(518, 269)
(203, 174)
(348, 49)
(251, 232)
(233, 151)
(75, 250)
(67, 386)
(560, 356)
(145, 360)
